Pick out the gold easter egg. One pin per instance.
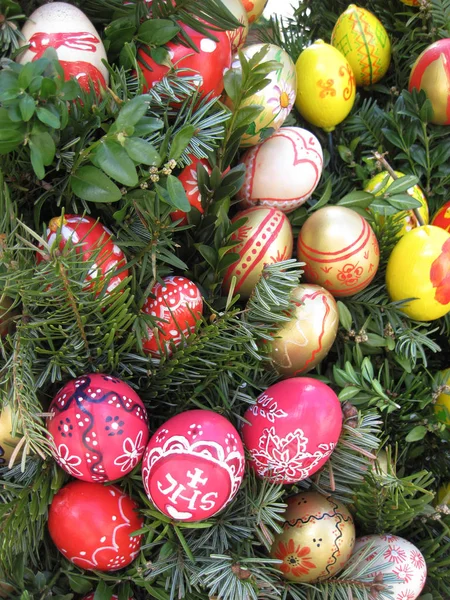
(419, 268)
(254, 8)
(375, 186)
(8, 442)
(364, 42)
(442, 405)
(306, 339)
(317, 538)
(325, 85)
(239, 35)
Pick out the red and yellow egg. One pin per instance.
(442, 217)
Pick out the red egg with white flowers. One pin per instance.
(189, 181)
(442, 217)
(91, 240)
(98, 426)
(92, 526)
(208, 65)
(292, 429)
(193, 465)
(177, 305)
(67, 29)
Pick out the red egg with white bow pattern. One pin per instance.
(67, 29)
(189, 181)
(292, 429)
(99, 428)
(91, 525)
(179, 303)
(91, 240)
(193, 465)
(207, 65)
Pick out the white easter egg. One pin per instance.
(283, 171)
(77, 43)
(405, 562)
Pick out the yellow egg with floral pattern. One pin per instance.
(8, 442)
(379, 184)
(317, 538)
(442, 405)
(254, 9)
(325, 85)
(364, 42)
(239, 35)
(276, 98)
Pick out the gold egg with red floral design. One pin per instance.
(265, 238)
(340, 250)
(431, 73)
(317, 539)
(239, 35)
(442, 217)
(306, 339)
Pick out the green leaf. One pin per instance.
(157, 32)
(208, 253)
(27, 107)
(141, 151)
(132, 112)
(357, 198)
(93, 185)
(181, 141)
(147, 125)
(103, 592)
(416, 434)
(177, 194)
(48, 88)
(79, 584)
(348, 393)
(29, 72)
(404, 202)
(10, 139)
(160, 55)
(48, 118)
(402, 184)
(345, 316)
(44, 141)
(113, 159)
(36, 160)
(233, 85)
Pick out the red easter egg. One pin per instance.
(431, 72)
(265, 238)
(91, 525)
(189, 181)
(442, 217)
(209, 63)
(193, 465)
(99, 428)
(293, 429)
(178, 301)
(91, 239)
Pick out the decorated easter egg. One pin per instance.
(419, 267)
(178, 305)
(91, 525)
(364, 42)
(77, 43)
(254, 9)
(317, 539)
(442, 404)
(265, 238)
(304, 341)
(340, 250)
(91, 241)
(239, 35)
(193, 465)
(98, 426)
(277, 97)
(431, 73)
(411, 2)
(403, 560)
(8, 441)
(283, 171)
(379, 184)
(442, 217)
(207, 65)
(292, 429)
(325, 85)
(189, 180)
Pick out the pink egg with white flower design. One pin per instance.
(193, 465)
(77, 43)
(283, 171)
(404, 562)
(98, 427)
(177, 305)
(276, 99)
(292, 429)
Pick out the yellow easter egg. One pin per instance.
(419, 268)
(442, 405)
(239, 35)
(277, 98)
(325, 85)
(375, 186)
(254, 9)
(443, 495)
(7, 441)
(364, 42)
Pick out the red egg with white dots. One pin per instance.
(193, 465)
(207, 65)
(177, 306)
(91, 240)
(189, 181)
(92, 526)
(98, 426)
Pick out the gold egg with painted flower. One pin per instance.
(276, 98)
